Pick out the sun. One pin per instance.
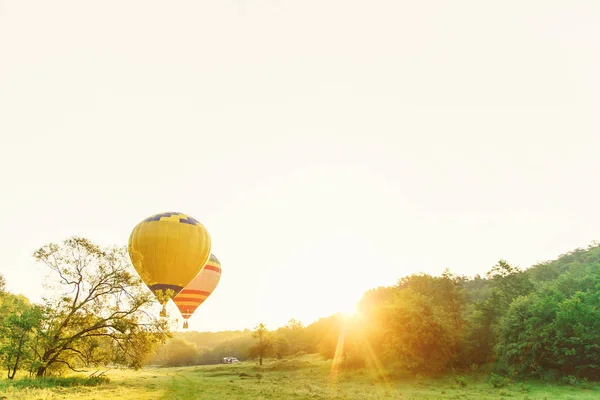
(349, 310)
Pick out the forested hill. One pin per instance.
(192, 348)
(212, 339)
(542, 322)
(578, 261)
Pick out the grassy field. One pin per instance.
(306, 377)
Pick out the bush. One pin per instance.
(575, 381)
(498, 381)
(461, 381)
(523, 387)
(353, 360)
(42, 383)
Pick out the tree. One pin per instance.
(282, 346)
(18, 321)
(290, 339)
(2, 284)
(554, 331)
(17, 331)
(419, 334)
(294, 325)
(178, 352)
(98, 311)
(264, 344)
(505, 283)
(508, 283)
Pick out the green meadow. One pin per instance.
(306, 377)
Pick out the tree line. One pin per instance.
(542, 322)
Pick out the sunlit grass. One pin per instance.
(305, 377)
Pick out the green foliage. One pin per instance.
(326, 332)
(542, 322)
(555, 329)
(97, 312)
(179, 352)
(417, 326)
(504, 283)
(59, 382)
(421, 336)
(211, 339)
(498, 381)
(461, 381)
(575, 260)
(19, 323)
(264, 342)
(203, 348)
(291, 339)
(18, 332)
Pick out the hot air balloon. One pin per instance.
(168, 250)
(198, 290)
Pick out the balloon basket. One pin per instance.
(163, 312)
(185, 324)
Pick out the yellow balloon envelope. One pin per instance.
(198, 290)
(168, 250)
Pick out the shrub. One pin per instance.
(498, 381)
(42, 383)
(461, 381)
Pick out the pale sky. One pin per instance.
(329, 147)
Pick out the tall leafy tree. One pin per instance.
(554, 331)
(264, 342)
(18, 322)
(505, 283)
(98, 310)
(18, 331)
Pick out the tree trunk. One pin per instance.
(40, 372)
(8, 366)
(16, 366)
(260, 359)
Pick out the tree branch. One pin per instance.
(67, 364)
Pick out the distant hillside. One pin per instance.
(193, 348)
(579, 260)
(211, 339)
